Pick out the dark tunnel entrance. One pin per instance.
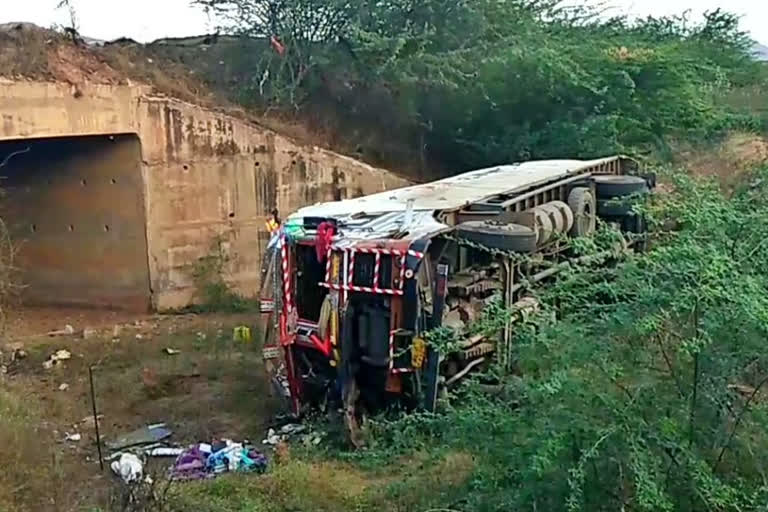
(74, 207)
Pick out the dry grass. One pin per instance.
(214, 388)
(726, 160)
(24, 53)
(27, 453)
(332, 486)
(9, 273)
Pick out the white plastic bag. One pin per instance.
(129, 467)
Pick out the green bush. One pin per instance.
(648, 392)
(469, 84)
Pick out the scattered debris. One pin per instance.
(141, 436)
(68, 330)
(292, 428)
(242, 334)
(87, 422)
(63, 387)
(285, 433)
(60, 355)
(272, 438)
(172, 351)
(312, 439)
(208, 460)
(191, 465)
(116, 331)
(129, 468)
(89, 333)
(164, 451)
(139, 337)
(73, 437)
(16, 350)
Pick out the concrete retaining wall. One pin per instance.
(206, 177)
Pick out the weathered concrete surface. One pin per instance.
(75, 208)
(208, 178)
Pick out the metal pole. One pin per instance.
(95, 418)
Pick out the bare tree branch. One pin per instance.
(15, 153)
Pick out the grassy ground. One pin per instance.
(214, 387)
(313, 484)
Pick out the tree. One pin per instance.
(467, 84)
(73, 29)
(297, 32)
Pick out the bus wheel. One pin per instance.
(582, 203)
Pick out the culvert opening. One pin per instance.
(74, 207)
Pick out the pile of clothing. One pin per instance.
(210, 460)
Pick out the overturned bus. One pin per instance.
(351, 287)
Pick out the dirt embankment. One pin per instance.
(727, 160)
(28, 52)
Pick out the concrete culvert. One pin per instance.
(59, 198)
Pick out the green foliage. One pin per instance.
(215, 294)
(468, 84)
(648, 393)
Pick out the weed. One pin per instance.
(215, 294)
(150, 495)
(35, 476)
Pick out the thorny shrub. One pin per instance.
(214, 293)
(525, 79)
(648, 392)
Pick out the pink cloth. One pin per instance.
(325, 232)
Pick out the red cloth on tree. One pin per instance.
(325, 232)
(277, 45)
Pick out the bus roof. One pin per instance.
(372, 216)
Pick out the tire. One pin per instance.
(567, 214)
(545, 227)
(637, 224)
(505, 237)
(561, 216)
(582, 204)
(614, 207)
(609, 187)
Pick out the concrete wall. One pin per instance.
(75, 208)
(207, 177)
